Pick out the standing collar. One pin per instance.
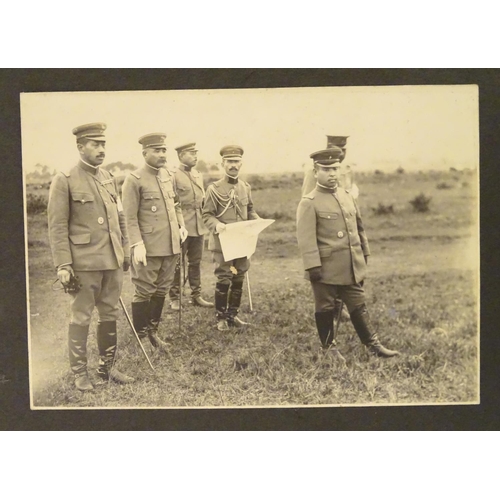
(91, 169)
(324, 189)
(151, 169)
(185, 167)
(231, 180)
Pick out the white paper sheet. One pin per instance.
(240, 238)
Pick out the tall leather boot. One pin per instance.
(106, 343)
(77, 349)
(221, 293)
(155, 310)
(361, 322)
(234, 302)
(173, 293)
(324, 325)
(140, 318)
(194, 276)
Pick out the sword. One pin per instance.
(135, 332)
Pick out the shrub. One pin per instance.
(382, 209)
(275, 214)
(444, 185)
(258, 182)
(378, 172)
(421, 203)
(400, 170)
(35, 204)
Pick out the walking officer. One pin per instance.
(89, 244)
(155, 227)
(334, 249)
(228, 200)
(189, 186)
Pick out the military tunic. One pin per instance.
(87, 231)
(153, 216)
(331, 235)
(240, 207)
(152, 211)
(228, 200)
(189, 187)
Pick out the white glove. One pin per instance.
(64, 274)
(139, 254)
(184, 233)
(220, 227)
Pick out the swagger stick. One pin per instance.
(135, 332)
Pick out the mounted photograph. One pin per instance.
(252, 248)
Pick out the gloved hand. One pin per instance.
(220, 227)
(126, 265)
(64, 274)
(184, 233)
(139, 254)
(315, 273)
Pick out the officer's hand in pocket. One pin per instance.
(184, 234)
(220, 227)
(139, 252)
(126, 265)
(315, 273)
(64, 274)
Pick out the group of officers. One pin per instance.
(96, 236)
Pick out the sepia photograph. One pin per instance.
(252, 248)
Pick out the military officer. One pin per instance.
(334, 249)
(189, 186)
(228, 200)
(155, 227)
(339, 141)
(89, 244)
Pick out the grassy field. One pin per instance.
(422, 297)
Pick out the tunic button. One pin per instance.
(340, 234)
(153, 209)
(100, 220)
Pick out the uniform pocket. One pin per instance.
(244, 201)
(328, 215)
(80, 239)
(151, 195)
(146, 229)
(325, 252)
(82, 197)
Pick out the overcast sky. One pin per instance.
(417, 127)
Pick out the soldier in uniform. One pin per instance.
(228, 200)
(155, 227)
(89, 244)
(334, 249)
(189, 186)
